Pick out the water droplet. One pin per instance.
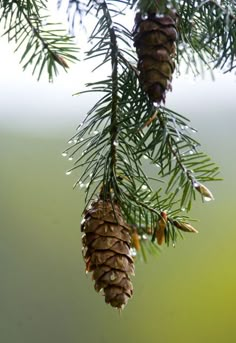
(173, 245)
(91, 175)
(144, 16)
(115, 143)
(193, 130)
(81, 139)
(144, 187)
(158, 15)
(182, 46)
(207, 199)
(183, 209)
(81, 185)
(145, 157)
(78, 128)
(191, 152)
(68, 172)
(157, 165)
(95, 132)
(156, 104)
(125, 160)
(75, 140)
(133, 252)
(87, 185)
(64, 154)
(145, 237)
(70, 158)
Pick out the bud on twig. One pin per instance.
(60, 60)
(160, 233)
(135, 240)
(184, 227)
(204, 191)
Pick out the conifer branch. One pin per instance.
(45, 45)
(114, 79)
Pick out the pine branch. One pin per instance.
(208, 29)
(46, 46)
(114, 100)
(123, 131)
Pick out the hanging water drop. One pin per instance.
(68, 172)
(144, 187)
(156, 104)
(78, 128)
(193, 130)
(115, 143)
(144, 16)
(145, 157)
(70, 158)
(70, 141)
(207, 199)
(158, 15)
(64, 154)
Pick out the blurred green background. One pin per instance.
(187, 294)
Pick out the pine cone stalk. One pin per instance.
(106, 251)
(155, 38)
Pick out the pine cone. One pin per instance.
(154, 39)
(106, 251)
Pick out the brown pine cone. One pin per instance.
(106, 250)
(154, 39)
